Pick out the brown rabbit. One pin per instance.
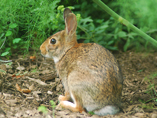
(90, 74)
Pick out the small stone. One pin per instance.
(30, 98)
(19, 114)
(49, 92)
(57, 80)
(31, 87)
(2, 116)
(154, 115)
(36, 94)
(140, 115)
(11, 102)
(7, 95)
(59, 87)
(20, 68)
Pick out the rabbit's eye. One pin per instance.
(53, 41)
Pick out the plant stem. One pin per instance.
(125, 22)
(5, 61)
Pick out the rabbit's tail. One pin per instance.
(107, 110)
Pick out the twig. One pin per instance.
(5, 61)
(36, 80)
(3, 43)
(1, 48)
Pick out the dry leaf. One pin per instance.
(31, 87)
(22, 90)
(32, 58)
(20, 68)
(18, 87)
(25, 90)
(36, 80)
(18, 76)
(13, 75)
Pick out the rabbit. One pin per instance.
(90, 74)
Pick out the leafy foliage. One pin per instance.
(26, 24)
(143, 15)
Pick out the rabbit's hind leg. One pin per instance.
(75, 107)
(64, 98)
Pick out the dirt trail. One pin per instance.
(33, 74)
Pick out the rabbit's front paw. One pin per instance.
(61, 98)
(64, 98)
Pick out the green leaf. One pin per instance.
(60, 7)
(42, 109)
(86, 20)
(91, 112)
(16, 40)
(3, 71)
(8, 33)
(112, 48)
(126, 45)
(122, 34)
(4, 53)
(140, 70)
(71, 7)
(110, 42)
(86, 41)
(14, 25)
(53, 103)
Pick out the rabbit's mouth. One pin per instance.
(46, 55)
(56, 59)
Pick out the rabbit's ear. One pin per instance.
(70, 22)
(66, 12)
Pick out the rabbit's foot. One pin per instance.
(64, 98)
(71, 106)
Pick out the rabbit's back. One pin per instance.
(93, 74)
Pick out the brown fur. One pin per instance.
(89, 72)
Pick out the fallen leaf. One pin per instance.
(32, 58)
(25, 90)
(31, 87)
(20, 68)
(22, 90)
(13, 75)
(18, 76)
(18, 87)
(11, 102)
(36, 80)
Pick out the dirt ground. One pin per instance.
(26, 83)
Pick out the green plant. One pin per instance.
(53, 107)
(42, 109)
(13, 44)
(125, 22)
(90, 32)
(25, 24)
(34, 70)
(152, 87)
(91, 113)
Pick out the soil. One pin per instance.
(26, 84)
